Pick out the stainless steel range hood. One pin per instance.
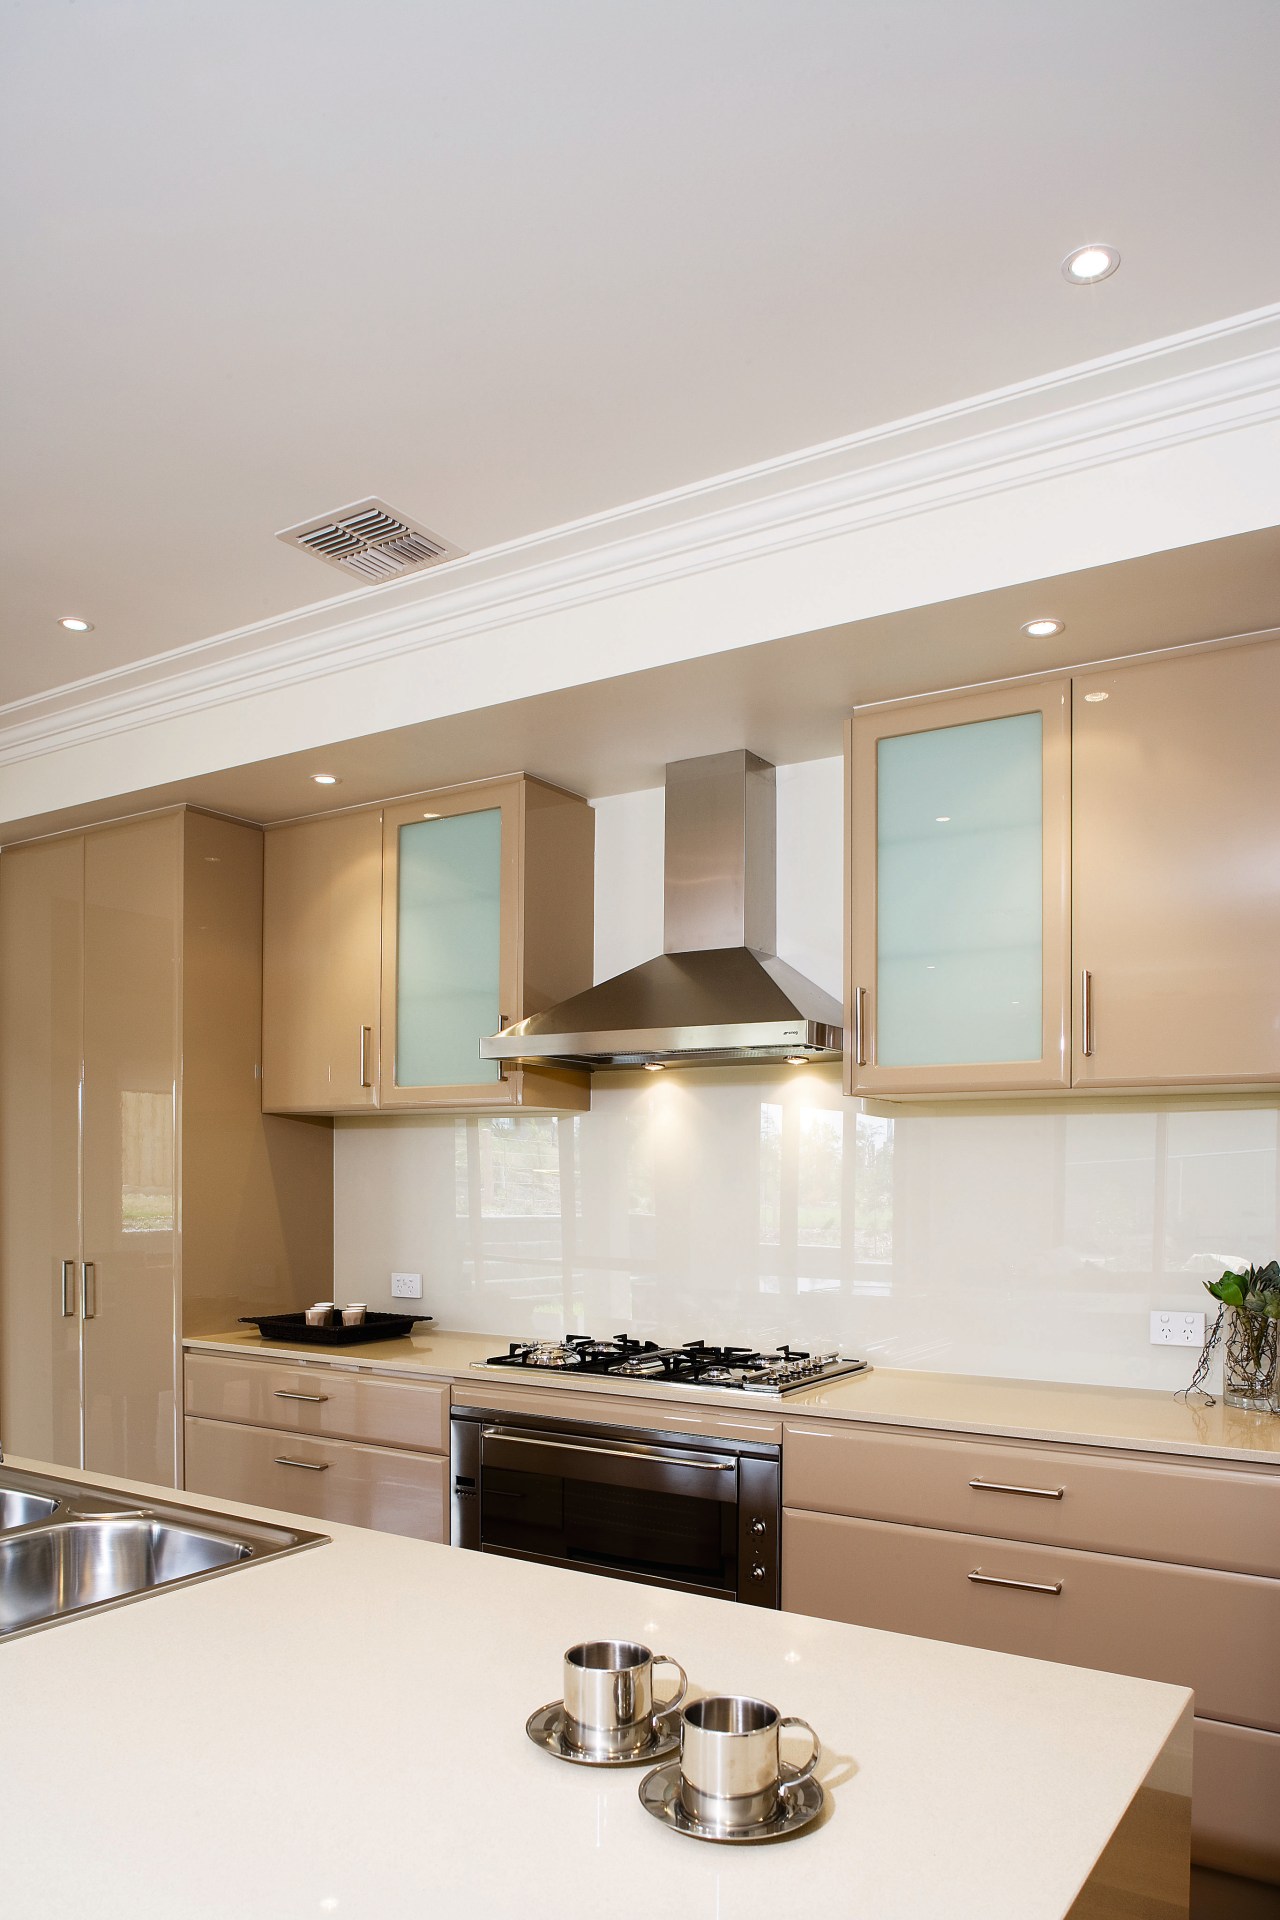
(718, 992)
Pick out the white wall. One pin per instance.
(760, 1205)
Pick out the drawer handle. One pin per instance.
(283, 1394)
(312, 1466)
(1027, 1586)
(1037, 1493)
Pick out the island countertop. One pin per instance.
(342, 1732)
(1123, 1417)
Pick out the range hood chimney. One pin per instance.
(718, 991)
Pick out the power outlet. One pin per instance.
(1177, 1329)
(408, 1286)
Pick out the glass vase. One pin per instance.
(1249, 1360)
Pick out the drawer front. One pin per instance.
(320, 1400)
(323, 1479)
(1157, 1509)
(1186, 1625)
(1235, 1801)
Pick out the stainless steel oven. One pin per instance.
(668, 1509)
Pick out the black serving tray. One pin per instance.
(293, 1328)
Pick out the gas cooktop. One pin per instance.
(693, 1365)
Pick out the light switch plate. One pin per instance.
(408, 1286)
(1177, 1329)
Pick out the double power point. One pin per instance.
(408, 1286)
(1177, 1329)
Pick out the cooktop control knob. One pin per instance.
(757, 1571)
(757, 1526)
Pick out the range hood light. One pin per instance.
(655, 1066)
(797, 1059)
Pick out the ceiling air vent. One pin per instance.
(370, 542)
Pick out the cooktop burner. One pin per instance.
(693, 1365)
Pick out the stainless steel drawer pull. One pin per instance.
(88, 1290)
(312, 1466)
(1037, 1493)
(1027, 1586)
(282, 1393)
(611, 1453)
(68, 1288)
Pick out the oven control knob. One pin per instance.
(758, 1526)
(757, 1571)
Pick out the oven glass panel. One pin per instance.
(657, 1535)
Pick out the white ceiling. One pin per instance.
(508, 264)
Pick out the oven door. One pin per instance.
(615, 1504)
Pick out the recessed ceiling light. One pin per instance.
(76, 626)
(1085, 265)
(942, 818)
(1043, 629)
(325, 779)
(1094, 697)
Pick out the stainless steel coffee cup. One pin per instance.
(609, 1706)
(731, 1770)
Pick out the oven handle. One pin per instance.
(559, 1445)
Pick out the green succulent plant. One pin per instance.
(1255, 1291)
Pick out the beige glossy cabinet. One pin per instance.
(1152, 1566)
(322, 959)
(142, 1192)
(396, 937)
(352, 1447)
(1068, 884)
(1176, 871)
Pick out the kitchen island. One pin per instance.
(341, 1732)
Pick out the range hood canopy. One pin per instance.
(718, 992)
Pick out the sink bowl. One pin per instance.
(69, 1547)
(20, 1509)
(82, 1563)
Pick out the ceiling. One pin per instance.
(786, 699)
(507, 265)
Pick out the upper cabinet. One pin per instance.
(1069, 883)
(396, 937)
(1176, 871)
(960, 848)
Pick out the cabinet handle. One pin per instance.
(1037, 1493)
(312, 1466)
(1086, 1013)
(282, 1393)
(1026, 1586)
(88, 1290)
(859, 1038)
(68, 1288)
(366, 1043)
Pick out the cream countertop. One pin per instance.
(1015, 1409)
(341, 1732)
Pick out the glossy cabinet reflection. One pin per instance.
(395, 937)
(959, 852)
(144, 1193)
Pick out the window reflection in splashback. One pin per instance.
(761, 1206)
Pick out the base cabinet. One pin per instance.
(361, 1449)
(893, 1566)
(339, 1480)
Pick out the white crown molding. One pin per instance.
(1207, 382)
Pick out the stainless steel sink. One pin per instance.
(20, 1509)
(70, 1548)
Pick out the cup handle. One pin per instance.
(669, 1706)
(790, 1776)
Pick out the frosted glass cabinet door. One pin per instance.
(447, 973)
(960, 842)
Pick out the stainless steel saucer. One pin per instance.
(547, 1729)
(798, 1807)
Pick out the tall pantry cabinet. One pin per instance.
(143, 1194)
